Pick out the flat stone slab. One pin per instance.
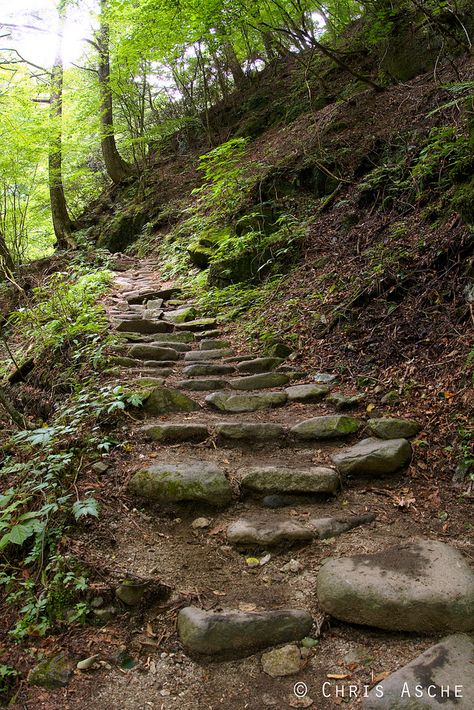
(442, 677)
(122, 361)
(142, 325)
(164, 400)
(149, 294)
(245, 402)
(201, 385)
(204, 369)
(425, 586)
(203, 334)
(181, 315)
(307, 393)
(149, 381)
(273, 531)
(238, 633)
(280, 479)
(197, 325)
(153, 352)
(374, 457)
(258, 382)
(175, 433)
(255, 432)
(391, 428)
(193, 481)
(325, 528)
(205, 355)
(214, 344)
(178, 347)
(182, 337)
(332, 426)
(259, 365)
(154, 304)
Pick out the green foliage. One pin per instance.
(226, 178)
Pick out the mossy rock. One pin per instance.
(122, 231)
(162, 400)
(463, 201)
(52, 672)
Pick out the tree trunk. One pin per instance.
(62, 222)
(6, 261)
(117, 168)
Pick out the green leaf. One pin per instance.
(88, 506)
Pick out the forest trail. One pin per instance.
(236, 511)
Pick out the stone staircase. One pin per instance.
(268, 453)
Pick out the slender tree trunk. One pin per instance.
(117, 168)
(62, 223)
(6, 261)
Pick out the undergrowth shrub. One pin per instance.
(66, 328)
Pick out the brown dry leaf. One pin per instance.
(380, 676)
(404, 502)
(244, 606)
(149, 631)
(217, 529)
(219, 594)
(338, 676)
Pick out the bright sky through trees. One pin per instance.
(39, 47)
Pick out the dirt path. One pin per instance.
(141, 661)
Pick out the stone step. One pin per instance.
(259, 365)
(239, 358)
(213, 344)
(333, 426)
(236, 633)
(246, 402)
(205, 355)
(183, 337)
(204, 334)
(307, 393)
(175, 433)
(371, 457)
(201, 385)
(249, 432)
(181, 315)
(153, 352)
(179, 347)
(143, 325)
(196, 481)
(197, 325)
(268, 532)
(391, 428)
(283, 479)
(166, 400)
(142, 296)
(342, 402)
(204, 369)
(261, 381)
(276, 529)
(159, 363)
(423, 586)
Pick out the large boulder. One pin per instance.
(331, 426)
(280, 479)
(374, 457)
(424, 586)
(441, 678)
(237, 633)
(194, 481)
